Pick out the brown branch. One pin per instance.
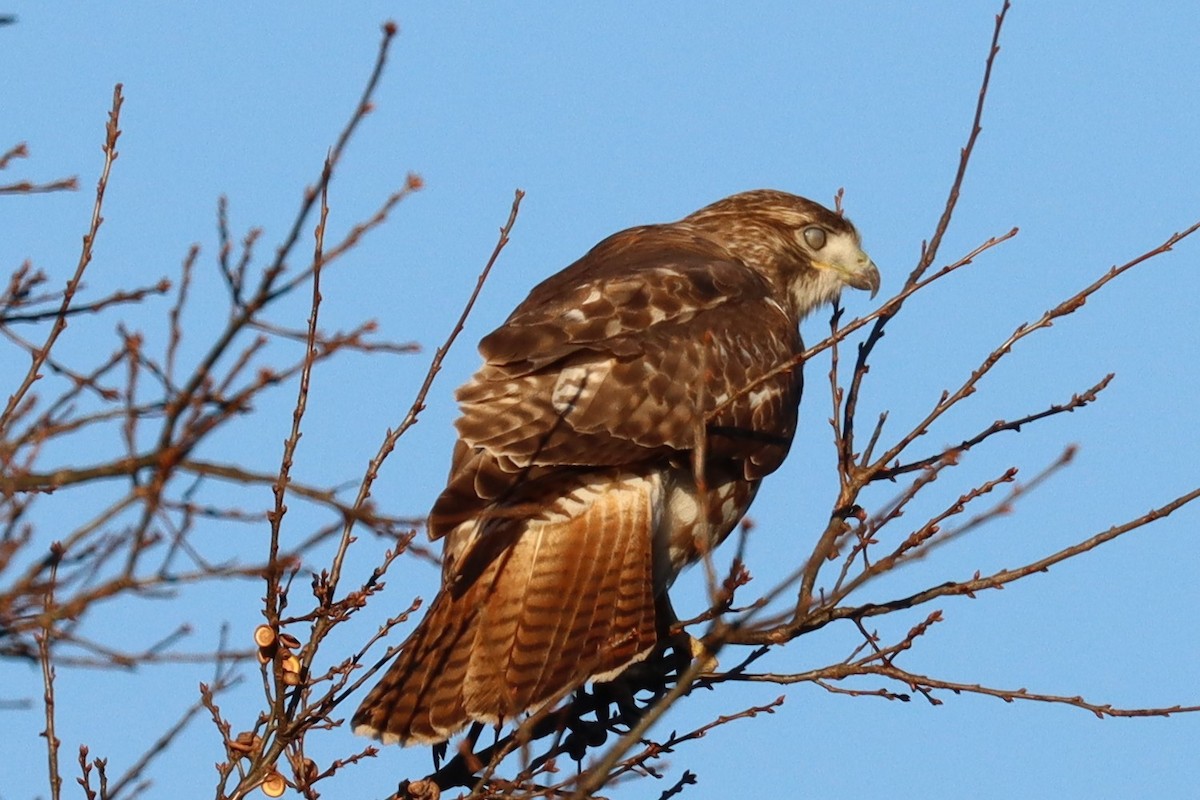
(1003, 577)
(224, 248)
(323, 496)
(1002, 507)
(918, 682)
(999, 426)
(413, 183)
(931, 536)
(1068, 306)
(866, 531)
(120, 297)
(929, 252)
(112, 132)
(263, 294)
(175, 334)
(351, 340)
(49, 612)
(18, 150)
(85, 779)
(1010, 695)
(654, 749)
(275, 516)
(292, 711)
(21, 150)
(820, 618)
(78, 381)
(28, 187)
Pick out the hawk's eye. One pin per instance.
(814, 237)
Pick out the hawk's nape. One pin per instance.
(571, 503)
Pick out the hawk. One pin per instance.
(618, 429)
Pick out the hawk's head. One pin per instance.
(807, 252)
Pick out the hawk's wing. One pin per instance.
(619, 359)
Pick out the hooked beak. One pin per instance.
(857, 271)
(863, 275)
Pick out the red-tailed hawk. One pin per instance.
(572, 501)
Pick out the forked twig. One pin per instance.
(112, 133)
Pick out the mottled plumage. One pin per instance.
(571, 503)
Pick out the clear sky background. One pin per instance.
(611, 115)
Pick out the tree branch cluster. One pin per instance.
(149, 537)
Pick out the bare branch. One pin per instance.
(50, 612)
(112, 132)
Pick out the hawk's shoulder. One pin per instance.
(647, 278)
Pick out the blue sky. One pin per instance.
(614, 115)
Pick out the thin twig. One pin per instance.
(1066, 307)
(49, 614)
(175, 333)
(773, 634)
(28, 187)
(112, 133)
(120, 297)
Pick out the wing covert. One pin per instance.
(617, 359)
